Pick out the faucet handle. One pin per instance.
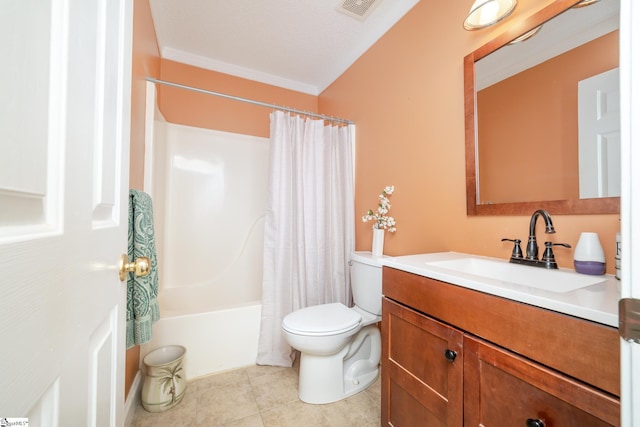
(548, 258)
(517, 251)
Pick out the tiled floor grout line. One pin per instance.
(213, 401)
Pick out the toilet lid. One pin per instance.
(322, 319)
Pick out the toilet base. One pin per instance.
(326, 379)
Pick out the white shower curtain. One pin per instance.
(309, 225)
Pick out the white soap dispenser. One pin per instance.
(588, 257)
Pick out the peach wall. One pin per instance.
(146, 62)
(406, 96)
(511, 133)
(206, 111)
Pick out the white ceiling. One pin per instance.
(303, 45)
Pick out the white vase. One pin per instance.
(378, 242)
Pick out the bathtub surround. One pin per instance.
(309, 225)
(212, 186)
(142, 292)
(209, 189)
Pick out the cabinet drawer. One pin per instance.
(420, 386)
(503, 389)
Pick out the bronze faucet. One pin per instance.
(548, 259)
(532, 244)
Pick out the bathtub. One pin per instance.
(218, 340)
(209, 199)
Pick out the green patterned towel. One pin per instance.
(142, 292)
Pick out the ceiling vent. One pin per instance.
(359, 9)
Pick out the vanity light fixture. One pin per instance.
(484, 13)
(526, 36)
(584, 3)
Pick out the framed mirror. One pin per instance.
(530, 141)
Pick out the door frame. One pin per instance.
(630, 201)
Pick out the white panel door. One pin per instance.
(599, 135)
(64, 143)
(630, 200)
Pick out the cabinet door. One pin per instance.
(503, 389)
(420, 385)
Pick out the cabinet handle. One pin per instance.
(450, 355)
(534, 423)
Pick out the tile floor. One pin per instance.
(261, 396)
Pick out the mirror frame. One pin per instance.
(604, 205)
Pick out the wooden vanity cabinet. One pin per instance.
(423, 387)
(453, 356)
(503, 389)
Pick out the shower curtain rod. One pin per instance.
(250, 101)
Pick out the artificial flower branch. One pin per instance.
(381, 220)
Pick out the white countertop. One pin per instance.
(598, 302)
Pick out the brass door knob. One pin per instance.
(140, 267)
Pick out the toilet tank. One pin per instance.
(366, 281)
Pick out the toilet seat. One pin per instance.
(324, 319)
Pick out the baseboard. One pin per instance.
(133, 399)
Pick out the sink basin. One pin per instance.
(549, 280)
(593, 298)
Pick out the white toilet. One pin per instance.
(340, 347)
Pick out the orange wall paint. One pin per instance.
(406, 96)
(146, 62)
(206, 111)
(509, 118)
